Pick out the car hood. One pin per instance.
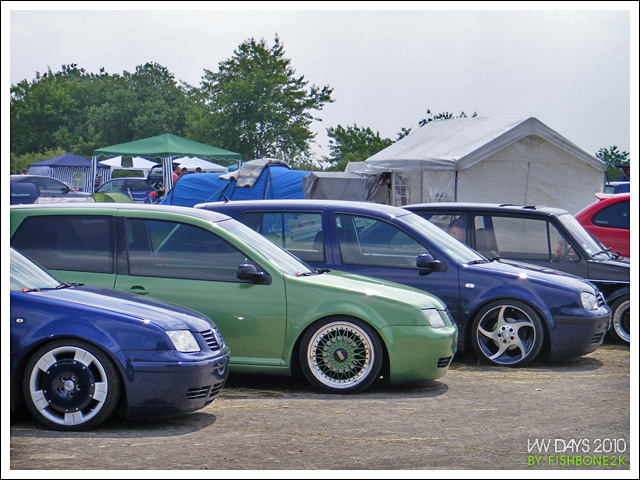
(532, 272)
(369, 286)
(166, 315)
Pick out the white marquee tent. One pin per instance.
(129, 163)
(485, 159)
(192, 163)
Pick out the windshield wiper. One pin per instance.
(606, 250)
(475, 262)
(315, 271)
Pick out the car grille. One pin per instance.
(210, 391)
(597, 338)
(213, 339)
(444, 362)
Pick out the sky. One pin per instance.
(387, 64)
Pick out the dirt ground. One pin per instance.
(547, 416)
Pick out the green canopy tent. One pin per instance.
(164, 147)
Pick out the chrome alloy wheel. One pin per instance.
(507, 335)
(341, 355)
(68, 386)
(621, 321)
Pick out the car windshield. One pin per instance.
(279, 257)
(457, 250)
(589, 244)
(27, 275)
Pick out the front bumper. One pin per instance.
(419, 353)
(575, 334)
(164, 388)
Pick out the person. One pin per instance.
(98, 181)
(198, 170)
(176, 172)
(456, 229)
(24, 171)
(184, 171)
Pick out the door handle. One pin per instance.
(140, 290)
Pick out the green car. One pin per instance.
(275, 312)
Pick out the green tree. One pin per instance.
(352, 144)
(613, 159)
(256, 105)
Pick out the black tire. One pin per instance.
(70, 385)
(341, 355)
(620, 331)
(507, 333)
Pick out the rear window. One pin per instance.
(81, 243)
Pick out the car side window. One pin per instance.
(454, 224)
(68, 242)
(373, 242)
(51, 184)
(298, 232)
(521, 239)
(158, 248)
(616, 215)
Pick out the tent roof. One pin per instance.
(193, 162)
(167, 145)
(137, 163)
(460, 143)
(66, 160)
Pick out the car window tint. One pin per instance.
(616, 215)
(176, 250)
(68, 242)
(369, 241)
(298, 232)
(51, 184)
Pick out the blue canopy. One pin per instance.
(275, 182)
(66, 160)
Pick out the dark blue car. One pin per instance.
(509, 314)
(79, 353)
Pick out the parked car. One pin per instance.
(136, 188)
(275, 312)
(609, 220)
(548, 237)
(617, 187)
(49, 189)
(78, 352)
(506, 312)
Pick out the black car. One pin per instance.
(49, 189)
(548, 237)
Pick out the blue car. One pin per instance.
(509, 314)
(79, 353)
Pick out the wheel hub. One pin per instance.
(506, 335)
(68, 386)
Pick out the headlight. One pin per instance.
(589, 301)
(183, 340)
(433, 317)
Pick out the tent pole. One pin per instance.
(92, 174)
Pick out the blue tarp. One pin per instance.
(275, 182)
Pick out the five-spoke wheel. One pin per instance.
(620, 330)
(507, 333)
(341, 355)
(70, 385)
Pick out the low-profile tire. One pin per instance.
(70, 385)
(620, 320)
(341, 355)
(507, 333)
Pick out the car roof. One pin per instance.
(135, 207)
(307, 204)
(488, 207)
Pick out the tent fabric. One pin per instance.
(71, 169)
(483, 159)
(191, 163)
(275, 182)
(346, 186)
(249, 172)
(167, 145)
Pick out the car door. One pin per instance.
(611, 226)
(195, 267)
(374, 247)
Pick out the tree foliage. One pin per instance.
(613, 159)
(256, 105)
(353, 144)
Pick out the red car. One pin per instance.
(609, 221)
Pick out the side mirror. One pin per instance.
(249, 272)
(428, 264)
